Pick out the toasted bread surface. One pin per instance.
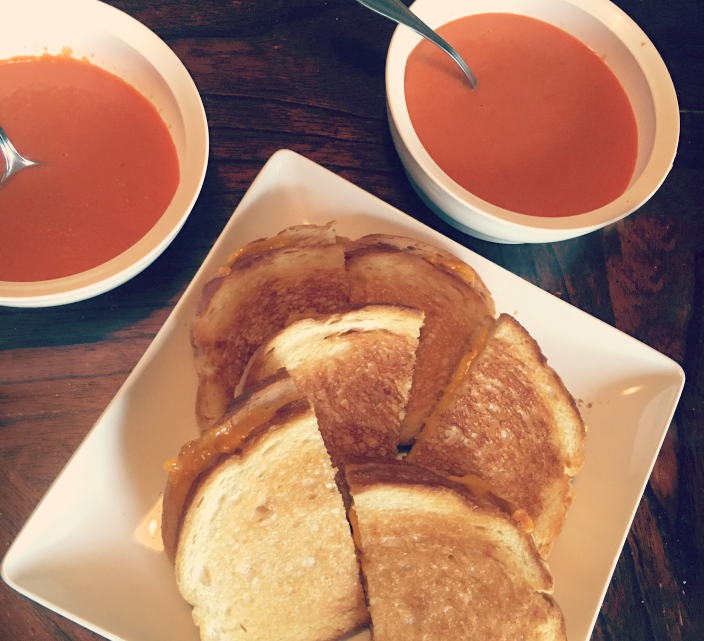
(439, 564)
(391, 269)
(270, 400)
(435, 256)
(265, 551)
(510, 421)
(355, 368)
(253, 297)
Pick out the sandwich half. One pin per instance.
(262, 545)
(507, 422)
(441, 563)
(252, 297)
(355, 368)
(393, 269)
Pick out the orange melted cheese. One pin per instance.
(479, 487)
(198, 456)
(354, 525)
(258, 246)
(522, 518)
(456, 266)
(451, 389)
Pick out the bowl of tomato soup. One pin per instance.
(574, 123)
(118, 129)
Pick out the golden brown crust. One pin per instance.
(362, 477)
(441, 564)
(282, 402)
(356, 370)
(359, 400)
(268, 527)
(386, 269)
(502, 425)
(439, 258)
(252, 299)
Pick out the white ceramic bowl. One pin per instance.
(120, 44)
(610, 33)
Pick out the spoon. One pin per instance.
(399, 13)
(13, 161)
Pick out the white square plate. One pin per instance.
(78, 553)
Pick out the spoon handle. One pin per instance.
(398, 12)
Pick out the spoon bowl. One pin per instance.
(13, 160)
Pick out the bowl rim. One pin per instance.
(665, 142)
(97, 16)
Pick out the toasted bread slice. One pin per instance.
(355, 368)
(508, 419)
(392, 269)
(252, 298)
(246, 416)
(440, 563)
(265, 552)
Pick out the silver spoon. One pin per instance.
(399, 13)
(13, 161)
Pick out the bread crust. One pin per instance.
(392, 269)
(249, 300)
(265, 526)
(355, 368)
(511, 422)
(277, 394)
(441, 563)
(363, 477)
(441, 259)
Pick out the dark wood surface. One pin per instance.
(307, 75)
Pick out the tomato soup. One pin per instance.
(108, 167)
(549, 131)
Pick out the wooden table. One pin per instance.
(308, 75)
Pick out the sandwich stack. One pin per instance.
(323, 361)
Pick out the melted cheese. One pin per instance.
(456, 266)
(479, 487)
(522, 518)
(199, 455)
(354, 524)
(258, 246)
(450, 390)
